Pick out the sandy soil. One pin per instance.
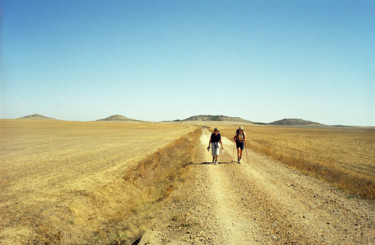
(262, 201)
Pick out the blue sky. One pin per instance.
(165, 60)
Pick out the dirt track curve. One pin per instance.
(262, 201)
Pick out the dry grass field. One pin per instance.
(344, 157)
(108, 182)
(61, 181)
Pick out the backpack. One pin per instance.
(238, 137)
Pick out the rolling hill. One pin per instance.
(213, 118)
(293, 122)
(36, 117)
(117, 118)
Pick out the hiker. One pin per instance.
(214, 142)
(240, 138)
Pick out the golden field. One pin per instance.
(344, 157)
(60, 181)
(102, 182)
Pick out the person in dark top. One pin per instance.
(240, 138)
(214, 143)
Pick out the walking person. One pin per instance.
(240, 138)
(214, 143)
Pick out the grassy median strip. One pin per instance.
(148, 185)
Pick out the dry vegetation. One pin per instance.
(148, 185)
(103, 182)
(343, 157)
(61, 181)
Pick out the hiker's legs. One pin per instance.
(240, 146)
(240, 155)
(215, 151)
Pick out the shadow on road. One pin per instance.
(207, 163)
(214, 163)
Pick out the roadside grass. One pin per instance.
(342, 157)
(148, 186)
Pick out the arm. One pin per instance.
(209, 144)
(222, 146)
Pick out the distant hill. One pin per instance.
(294, 122)
(214, 118)
(117, 118)
(37, 117)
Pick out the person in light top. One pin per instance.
(240, 138)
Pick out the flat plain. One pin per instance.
(59, 175)
(123, 182)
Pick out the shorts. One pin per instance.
(240, 144)
(215, 146)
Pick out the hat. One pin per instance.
(216, 129)
(240, 128)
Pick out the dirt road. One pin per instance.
(263, 201)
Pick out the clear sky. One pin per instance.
(165, 60)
